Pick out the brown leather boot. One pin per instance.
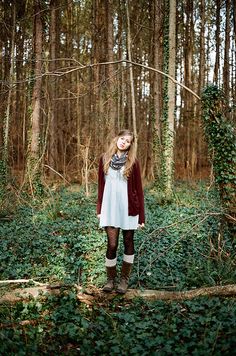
(111, 275)
(125, 273)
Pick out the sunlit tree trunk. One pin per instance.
(168, 129)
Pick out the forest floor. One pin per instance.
(56, 240)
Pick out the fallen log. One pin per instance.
(95, 295)
(221, 291)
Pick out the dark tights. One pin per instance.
(113, 238)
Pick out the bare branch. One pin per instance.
(66, 71)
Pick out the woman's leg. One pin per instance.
(111, 259)
(128, 259)
(112, 241)
(128, 238)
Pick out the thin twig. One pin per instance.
(172, 245)
(15, 281)
(59, 174)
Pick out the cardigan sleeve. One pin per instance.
(139, 189)
(101, 184)
(135, 194)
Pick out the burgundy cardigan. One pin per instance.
(135, 191)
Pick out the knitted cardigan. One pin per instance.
(135, 191)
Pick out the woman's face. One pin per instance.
(124, 142)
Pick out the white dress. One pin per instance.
(114, 211)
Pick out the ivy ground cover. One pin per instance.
(184, 245)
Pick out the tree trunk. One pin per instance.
(133, 111)
(188, 77)
(52, 149)
(217, 41)
(197, 141)
(168, 130)
(158, 64)
(157, 82)
(5, 153)
(111, 110)
(33, 160)
(226, 68)
(234, 19)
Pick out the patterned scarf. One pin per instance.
(118, 162)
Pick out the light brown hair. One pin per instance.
(113, 149)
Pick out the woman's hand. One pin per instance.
(141, 226)
(98, 216)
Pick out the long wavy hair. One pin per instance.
(113, 149)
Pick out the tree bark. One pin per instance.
(234, 18)
(52, 149)
(131, 77)
(111, 110)
(157, 82)
(226, 67)
(96, 295)
(158, 64)
(7, 120)
(217, 41)
(33, 164)
(168, 123)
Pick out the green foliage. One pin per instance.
(61, 325)
(3, 174)
(51, 239)
(221, 137)
(183, 246)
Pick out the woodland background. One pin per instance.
(60, 105)
(72, 74)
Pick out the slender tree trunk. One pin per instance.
(168, 131)
(188, 102)
(226, 68)
(7, 120)
(197, 147)
(110, 69)
(158, 82)
(234, 18)
(52, 151)
(133, 111)
(158, 64)
(33, 172)
(217, 41)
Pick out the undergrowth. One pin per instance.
(61, 325)
(184, 245)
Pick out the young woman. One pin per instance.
(120, 204)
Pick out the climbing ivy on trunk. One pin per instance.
(167, 120)
(221, 137)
